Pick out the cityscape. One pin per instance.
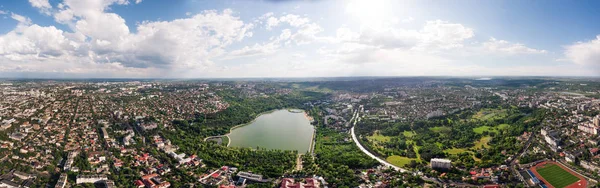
(391, 132)
(299, 94)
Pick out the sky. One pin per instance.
(303, 38)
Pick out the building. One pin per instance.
(290, 183)
(8, 184)
(104, 133)
(7, 123)
(589, 128)
(570, 157)
(551, 138)
(90, 178)
(148, 126)
(17, 136)
(62, 181)
(440, 163)
(434, 114)
(23, 176)
(252, 177)
(597, 121)
(590, 166)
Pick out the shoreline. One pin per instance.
(291, 110)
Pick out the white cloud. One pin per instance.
(585, 53)
(43, 5)
(305, 29)
(3, 12)
(445, 35)
(272, 22)
(435, 35)
(35, 40)
(21, 19)
(294, 20)
(261, 49)
(255, 50)
(407, 20)
(138, 1)
(502, 46)
(101, 42)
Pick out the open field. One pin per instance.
(408, 134)
(482, 143)
(481, 129)
(554, 175)
(455, 151)
(503, 126)
(440, 129)
(490, 114)
(225, 140)
(399, 160)
(378, 137)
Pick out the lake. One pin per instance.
(280, 129)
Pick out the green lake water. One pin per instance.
(280, 129)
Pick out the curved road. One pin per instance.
(373, 156)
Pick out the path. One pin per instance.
(299, 162)
(383, 162)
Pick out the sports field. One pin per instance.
(556, 176)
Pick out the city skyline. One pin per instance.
(245, 39)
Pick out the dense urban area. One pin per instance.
(369, 132)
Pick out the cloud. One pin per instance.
(305, 30)
(21, 19)
(502, 46)
(584, 53)
(43, 5)
(444, 34)
(407, 20)
(434, 35)
(138, 1)
(261, 49)
(101, 40)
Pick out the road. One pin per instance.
(383, 162)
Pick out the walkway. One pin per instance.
(383, 162)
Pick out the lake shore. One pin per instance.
(291, 110)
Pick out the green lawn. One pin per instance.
(378, 137)
(480, 129)
(399, 160)
(409, 134)
(455, 151)
(482, 143)
(440, 129)
(225, 140)
(556, 176)
(503, 126)
(490, 114)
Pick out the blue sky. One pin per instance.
(270, 38)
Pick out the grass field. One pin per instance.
(482, 143)
(557, 176)
(490, 114)
(503, 126)
(225, 140)
(378, 137)
(399, 160)
(440, 129)
(455, 151)
(480, 129)
(408, 134)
